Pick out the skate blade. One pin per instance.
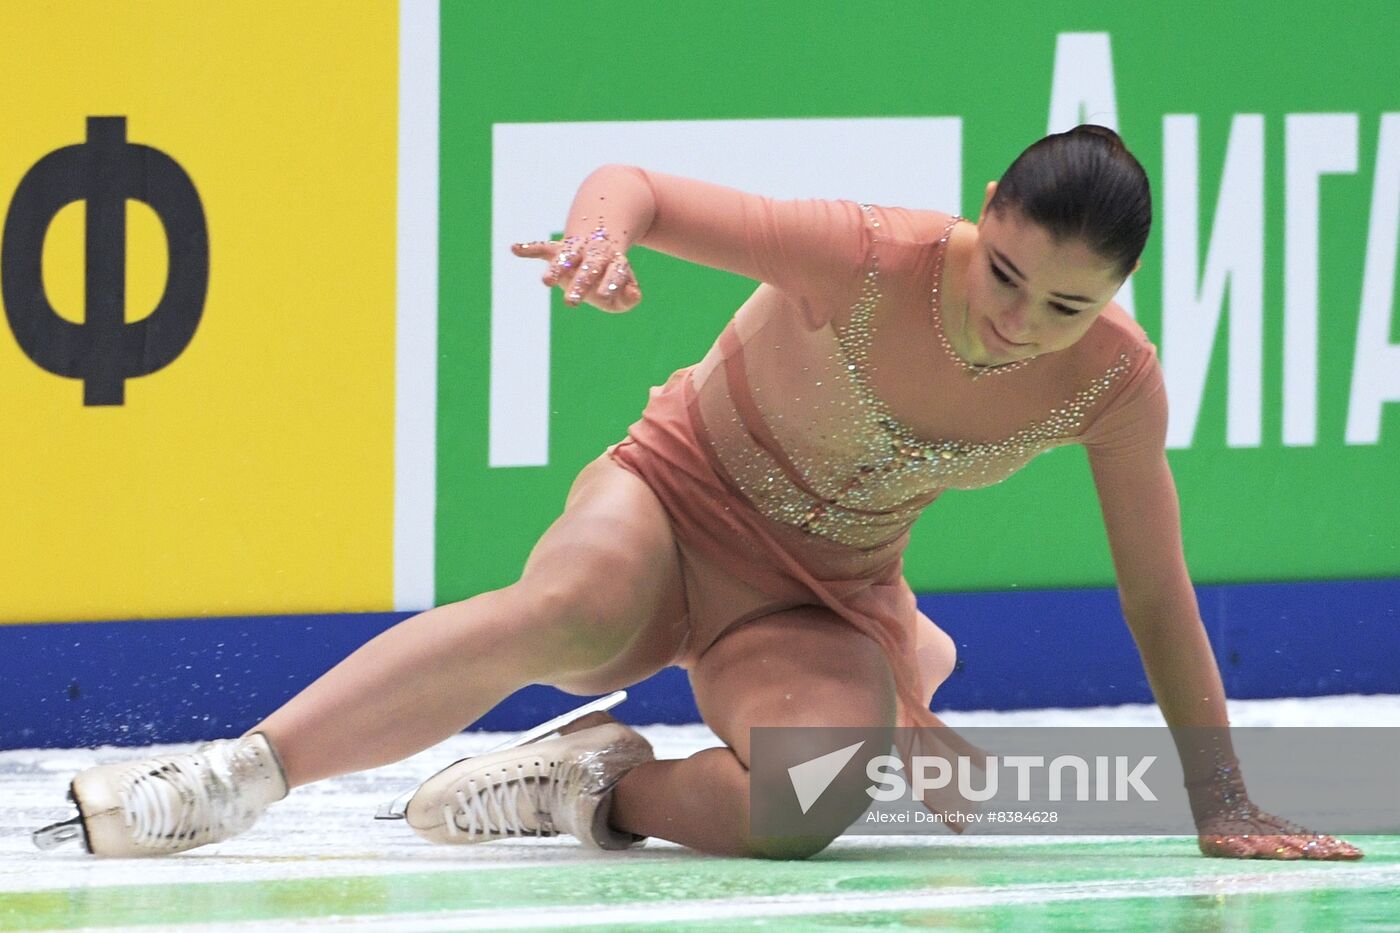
(58, 834)
(396, 808)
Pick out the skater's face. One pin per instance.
(1026, 294)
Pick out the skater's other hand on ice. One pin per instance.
(1252, 833)
(592, 269)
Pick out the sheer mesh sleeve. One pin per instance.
(812, 250)
(1137, 495)
(1132, 427)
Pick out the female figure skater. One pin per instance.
(750, 526)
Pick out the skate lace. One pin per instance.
(494, 807)
(177, 800)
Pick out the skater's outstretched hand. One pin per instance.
(1229, 825)
(1249, 832)
(591, 268)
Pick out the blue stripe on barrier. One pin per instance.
(139, 682)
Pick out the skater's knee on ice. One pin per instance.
(775, 829)
(784, 847)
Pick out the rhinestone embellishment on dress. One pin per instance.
(942, 464)
(935, 312)
(872, 474)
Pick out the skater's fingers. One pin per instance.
(1225, 846)
(547, 250)
(1255, 846)
(1326, 848)
(626, 301)
(558, 253)
(590, 271)
(600, 267)
(533, 248)
(565, 260)
(1278, 847)
(1345, 850)
(616, 290)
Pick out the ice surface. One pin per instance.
(326, 830)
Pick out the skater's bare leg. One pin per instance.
(600, 575)
(799, 667)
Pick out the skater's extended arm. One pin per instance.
(1142, 517)
(812, 249)
(1141, 512)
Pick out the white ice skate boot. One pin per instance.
(546, 787)
(171, 803)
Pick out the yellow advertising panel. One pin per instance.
(197, 267)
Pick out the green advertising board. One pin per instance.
(383, 408)
(1267, 284)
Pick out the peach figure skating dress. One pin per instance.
(795, 456)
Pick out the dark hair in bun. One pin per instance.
(1083, 184)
